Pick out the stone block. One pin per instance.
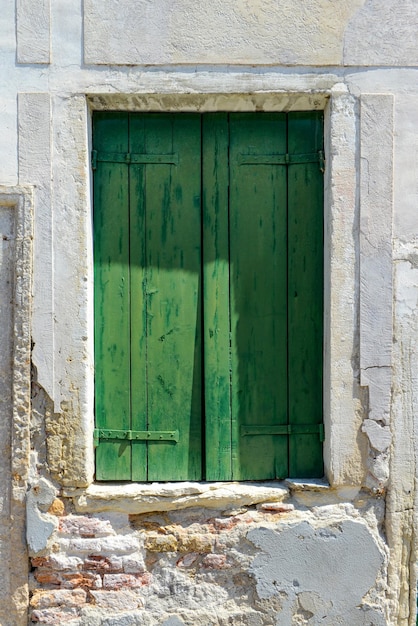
(121, 600)
(195, 543)
(85, 526)
(58, 597)
(54, 616)
(33, 36)
(161, 543)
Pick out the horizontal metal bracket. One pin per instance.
(282, 159)
(283, 429)
(101, 434)
(133, 158)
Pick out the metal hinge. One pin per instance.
(283, 429)
(93, 159)
(321, 161)
(135, 435)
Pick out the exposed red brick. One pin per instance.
(132, 564)
(47, 577)
(100, 564)
(222, 523)
(84, 526)
(41, 561)
(215, 561)
(120, 581)
(84, 580)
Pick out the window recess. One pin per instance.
(208, 252)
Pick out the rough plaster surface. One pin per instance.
(245, 32)
(383, 33)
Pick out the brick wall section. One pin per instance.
(118, 563)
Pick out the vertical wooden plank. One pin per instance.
(173, 295)
(217, 357)
(111, 296)
(305, 292)
(258, 294)
(137, 264)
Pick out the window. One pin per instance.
(208, 249)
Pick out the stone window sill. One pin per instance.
(143, 498)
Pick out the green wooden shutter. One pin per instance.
(152, 243)
(258, 266)
(112, 296)
(254, 261)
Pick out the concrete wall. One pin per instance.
(338, 551)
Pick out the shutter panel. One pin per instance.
(112, 296)
(217, 353)
(305, 292)
(148, 296)
(258, 267)
(166, 294)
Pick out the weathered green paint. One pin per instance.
(112, 297)
(220, 212)
(171, 295)
(305, 292)
(217, 352)
(258, 266)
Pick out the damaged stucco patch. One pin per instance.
(315, 567)
(40, 525)
(54, 438)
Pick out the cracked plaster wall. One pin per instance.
(357, 60)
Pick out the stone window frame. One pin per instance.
(18, 202)
(357, 364)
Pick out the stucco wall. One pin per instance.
(339, 552)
